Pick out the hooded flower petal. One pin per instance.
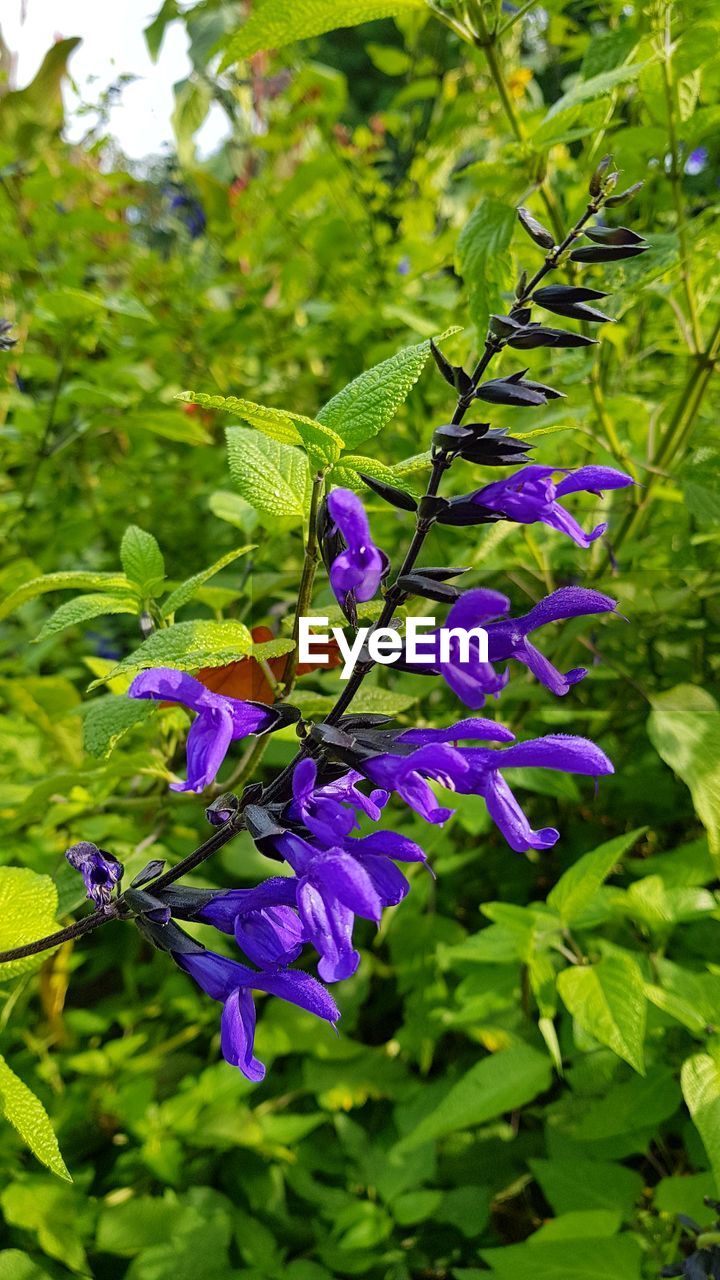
(407, 776)
(358, 570)
(469, 730)
(329, 927)
(219, 720)
(508, 638)
(231, 983)
(509, 818)
(263, 920)
(207, 744)
(530, 495)
(237, 1034)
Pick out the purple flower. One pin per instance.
(232, 983)
(473, 680)
(696, 161)
(100, 870)
(336, 884)
(476, 771)
(531, 494)
(358, 570)
(219, 720)
(330, 812)
(264, 921)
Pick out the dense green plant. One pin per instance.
(540, 1093)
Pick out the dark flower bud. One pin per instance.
(419, 584)
(614, 235)
(535, 229)
(463, 511)
(537, 335)
(503, 326)
(624, 197)
(551, 293)
(596, 182)
(607, 253)
(452, 373)
(222, 809)
(389, 493)
(150, 871)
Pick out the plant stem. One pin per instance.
(676, 182)
(312, 556)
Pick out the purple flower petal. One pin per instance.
(593, 480)
(207, 744)
(509, 818)
(329, 927)
(474, 728)
(557, 751)
(237, 1035)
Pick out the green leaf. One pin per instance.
(369, 700)
(322, 444)
(596, 87)
(587, 1184)
(28, 905)
(608, 1000)
(27, 1115)
(72, 580)
(588, 1259)
(577, 887)
(190, 587)
(142, 560)
(700, 1081)
(271, 476)
(684, 728)
(186, 646)
(346, 473)
(275, 24)
(501, 1082)
(368, 403)
(15, 1265)
(82, 609)
(482, 259)
(108, 719)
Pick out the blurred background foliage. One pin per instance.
(483, 1108)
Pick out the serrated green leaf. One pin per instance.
(684, 728)
(482, 259)
(72, 580)
(275, 24)
(272, 648)
(271, 476)
(577, 887)
(142, 560)
(322, 444)
(82, 609)
(502, 1082)
(700, 1081)
(27, 1115)
(608, 1001)
(28, 905)
(108, 719)
(186, 646)
(368, 403)
(185, 592)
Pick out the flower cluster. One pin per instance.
(323, 817)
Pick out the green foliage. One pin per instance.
(27, 1114)
(484, 1105)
